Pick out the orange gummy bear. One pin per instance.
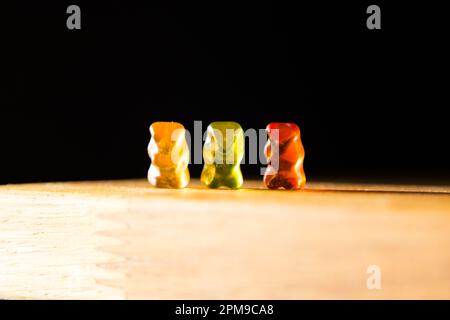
(169, 154)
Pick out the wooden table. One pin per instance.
(124, 239)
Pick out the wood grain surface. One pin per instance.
(124, 239)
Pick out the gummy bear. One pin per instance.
(223, 152)
(169, 154)
(285, 155)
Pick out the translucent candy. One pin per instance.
(169, 154)
(223, 152)
(285, 155)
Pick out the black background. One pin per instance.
(371, 104)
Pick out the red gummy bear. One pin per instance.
(285, 154)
